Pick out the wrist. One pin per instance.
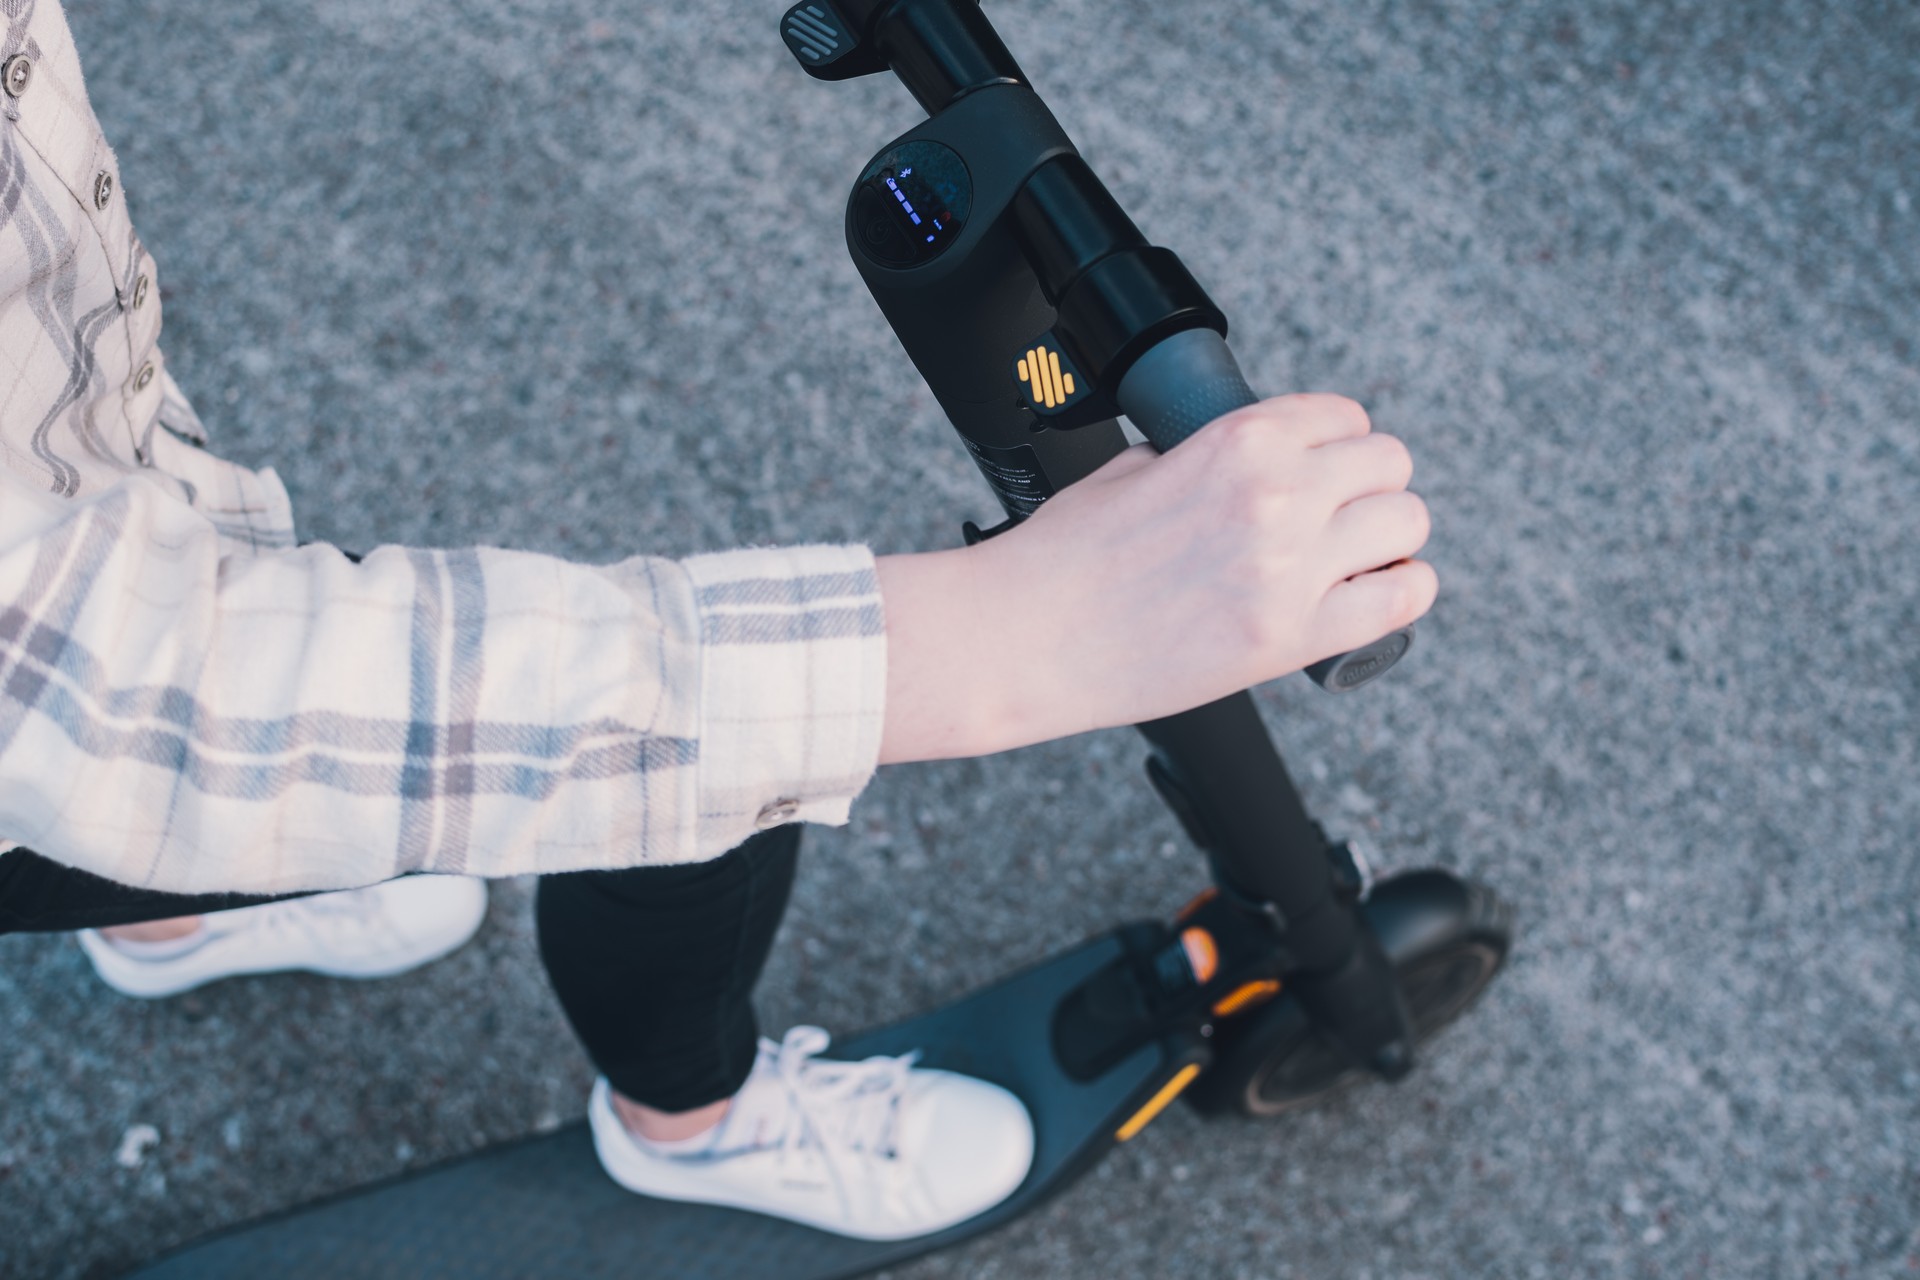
(944, 698)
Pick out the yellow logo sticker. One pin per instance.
(1046, 385)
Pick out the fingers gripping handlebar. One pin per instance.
(1180, 386)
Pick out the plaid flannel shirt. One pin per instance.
(190, 701)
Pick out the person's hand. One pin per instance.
(1159, 583)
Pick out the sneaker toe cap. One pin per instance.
(973, 1142)
(435, 913)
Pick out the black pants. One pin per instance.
(654, 966)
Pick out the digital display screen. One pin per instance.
(929, 220)
(910, 204)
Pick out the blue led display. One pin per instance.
(941, 219)
(910, 204)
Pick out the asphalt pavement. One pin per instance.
(1638, 282)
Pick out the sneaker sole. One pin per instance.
(156, 980)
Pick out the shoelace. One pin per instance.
(837, 1107)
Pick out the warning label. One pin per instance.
(1014, 474)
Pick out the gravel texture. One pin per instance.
(1640, 284)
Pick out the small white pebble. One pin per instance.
(134, 1144)
(1652, 1235)
(404, 1151)
(231, 1133)
(1396, 1206)
(1181, 1173)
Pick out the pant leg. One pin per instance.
(655, 966)
(38, 895)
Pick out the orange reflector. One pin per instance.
(1202, 955)
(1158, 1103)
(1240, 997)
(1200, 900)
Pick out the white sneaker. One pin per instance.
(876, 1149)
(374, 932)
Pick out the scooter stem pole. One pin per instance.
(1230, 789)
(1234, 795)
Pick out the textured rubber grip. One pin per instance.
(1182, 385)
(1179, 387)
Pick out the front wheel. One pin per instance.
(1446, 937)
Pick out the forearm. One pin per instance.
(976, 638)
(174, 719)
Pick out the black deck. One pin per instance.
(542, 1207)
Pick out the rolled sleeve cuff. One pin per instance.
(793, 687)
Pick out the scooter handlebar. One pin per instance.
(1178, 387)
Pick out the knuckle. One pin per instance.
(1307, 408)
(1353, 412)
(1406, 598)
(1419, 519)
(1396, 455)
(1395, 600)
(1341, 410)
(1414, 593)
(1240, 436)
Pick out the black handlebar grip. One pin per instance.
(1180, 386)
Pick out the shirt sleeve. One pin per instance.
(176, 718)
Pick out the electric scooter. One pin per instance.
(1037, 313)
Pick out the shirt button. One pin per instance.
(776, 812)
(139, 292)
(102, 189)
(15, 74)
(142, 378)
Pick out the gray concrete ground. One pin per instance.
(1640, 283)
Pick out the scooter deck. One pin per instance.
(542, 1207)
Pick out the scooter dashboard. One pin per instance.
(911, 203)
